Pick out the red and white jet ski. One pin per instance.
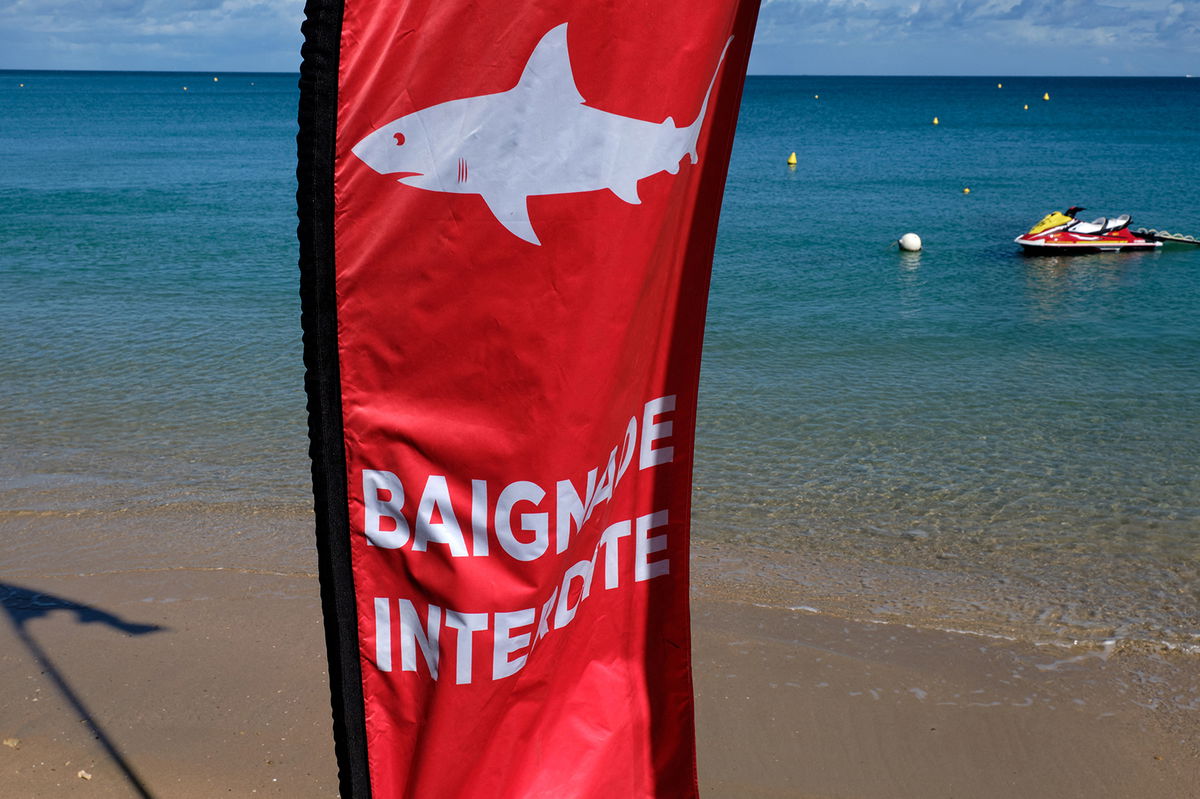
(1062, 233)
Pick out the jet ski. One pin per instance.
(1061, 232)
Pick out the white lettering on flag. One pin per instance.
(383, 634)
(383, 497)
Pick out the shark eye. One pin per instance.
(399, 137)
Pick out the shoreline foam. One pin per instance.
(957, 596)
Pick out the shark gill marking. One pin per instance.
(537, 138)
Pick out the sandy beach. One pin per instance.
(201, 682)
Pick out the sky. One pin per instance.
(809, 37)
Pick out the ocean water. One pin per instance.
(1029, 426)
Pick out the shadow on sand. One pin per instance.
(22, 604)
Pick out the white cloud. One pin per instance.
(851, 36)
(1156, 32)
(151, 34)
(1037, 20)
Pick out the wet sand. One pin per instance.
(810, 706)
(195, 683)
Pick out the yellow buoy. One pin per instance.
(816, 97)
(792, 159)
(215, 80)
(185, 88)
(1046, 96)
(935, 121)
(966, 190)
(999, 85)
(1027, 106)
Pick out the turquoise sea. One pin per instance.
(1028, 427)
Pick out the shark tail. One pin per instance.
(692, 131)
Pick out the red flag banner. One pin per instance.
(507, 220)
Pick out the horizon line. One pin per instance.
(748, 74)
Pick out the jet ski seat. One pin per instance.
(1095, 226)
(1120, 223)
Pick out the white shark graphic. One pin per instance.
(536, 138)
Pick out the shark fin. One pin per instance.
(513, 213)
(627, 192)
(548, 70)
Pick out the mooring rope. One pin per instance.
(1162, 235)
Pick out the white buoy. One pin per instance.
(910, 242)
